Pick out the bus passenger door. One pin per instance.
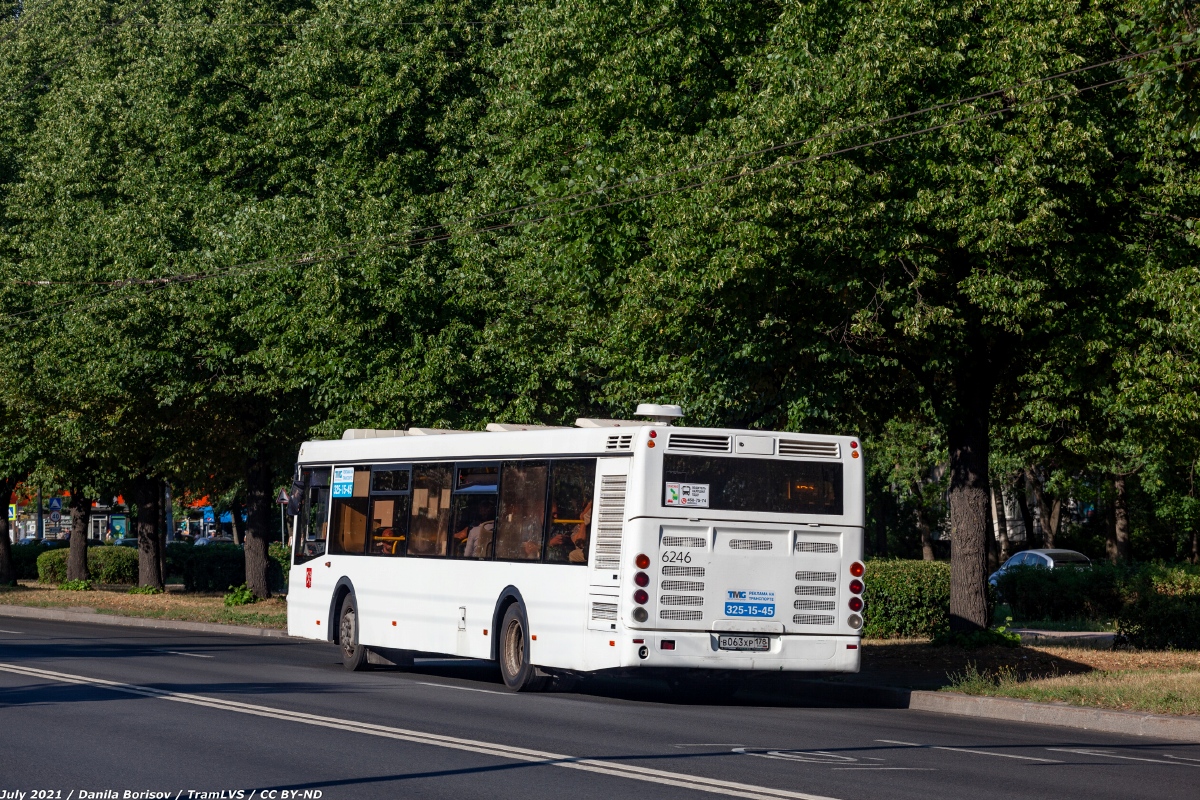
(310, 582)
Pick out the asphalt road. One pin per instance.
(99, 709)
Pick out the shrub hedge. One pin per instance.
(105, 565)
(25, 558)
(1036, 593)
(906, 598)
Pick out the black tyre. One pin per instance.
(519, 675)
(354, 655)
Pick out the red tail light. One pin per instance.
(642, 561)
(640, 597)
(856, 586)
(856, 604)
(641, 579)
(667, 644)
(857, 569)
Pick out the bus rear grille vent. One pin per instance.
(816, 547)
(681, 600)
(806, 605)
(606, 610)
(828, 577)
(610, 522)
(674, 614)
(682, 586)
(817, 591)
(750, 544)
(683, 541)
(698, 443)
(798, 447)
(812, 619)
(684, 572)
(619, 442)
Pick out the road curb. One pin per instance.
(1094, 719)
(91, 616)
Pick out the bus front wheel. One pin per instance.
(518, 673)
(354, 655)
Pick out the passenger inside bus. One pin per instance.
(475, 522)
(573, 483)
(522, 517)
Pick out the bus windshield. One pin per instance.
(752, 484)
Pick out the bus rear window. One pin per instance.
(752, 484)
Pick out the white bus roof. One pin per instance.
(373, 446)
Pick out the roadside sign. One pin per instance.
(56, 504)
(282, 499)
(56, 517)
(12, 513)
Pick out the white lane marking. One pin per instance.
(1104, 754)
(614, 769)
(967, 750)
(1181, 758)
(803, 756)
(884, 769)
(17, 632)
(179, 653)
(710, 744)
(463, 688)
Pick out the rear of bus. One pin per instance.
(742, 551)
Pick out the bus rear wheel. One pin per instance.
(518, 673)
(354, 655)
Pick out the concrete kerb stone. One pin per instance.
(90, 615)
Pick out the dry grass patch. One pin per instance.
(174, 604)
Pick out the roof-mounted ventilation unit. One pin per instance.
(660, 414)
(509, 427)
(370, 433)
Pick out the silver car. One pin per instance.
(1049, 559)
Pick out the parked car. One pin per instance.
(1048, 559)
(56, 542)
(125, 541)
(203, 540)
(27, 540)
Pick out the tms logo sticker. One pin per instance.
(733, 595)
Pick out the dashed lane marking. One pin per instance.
(1106, 754)
(968, 750)
(463, 688)
(610, 768)
(16, 632)
(181, 653)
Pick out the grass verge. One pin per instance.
(173, 604)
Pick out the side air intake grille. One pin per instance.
(610, 524)
(799, 447)
(684, 572)
(750, 544)
(804, 575)
(817, 591)
(609, 610)
(681, 600)
(812, 619)
(620, 442)
(699, 443)
(682, 586)
(682, 615)
(811, 605)
(683, 541)
(816, 547)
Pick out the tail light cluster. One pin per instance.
(856, 589)
(640, 596)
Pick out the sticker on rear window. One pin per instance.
(687, 494)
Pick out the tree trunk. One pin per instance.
(926, 536)
(1001, 523)
(1110, 534)
(1019, 489)
(145, 493)
(1121, 519)
(967, 440)
(1195, 559)
(81, 516)
(993, 547)
(162, 532)
(8, 569)
(259, 485)
(1048, 509)
(239, 527)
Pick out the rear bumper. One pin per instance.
(698, 650)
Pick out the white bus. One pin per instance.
(614, 544)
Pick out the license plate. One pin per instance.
(743, 643)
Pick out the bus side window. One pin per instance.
(390, 503)
(429, 522)
(349, 519)
(473, 519)
(520, 529)
(313, 516)
(573, 483)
